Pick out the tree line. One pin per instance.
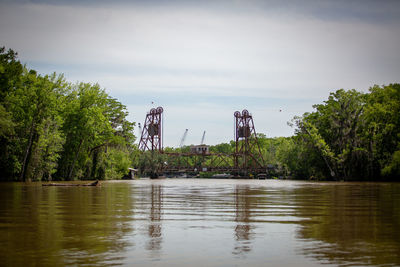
(54, 129)
(350, 136)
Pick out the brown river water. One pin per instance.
(201, 222)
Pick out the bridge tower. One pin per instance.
(152, 133)
(247, 154)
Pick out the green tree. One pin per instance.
(10, 76)
(94, 124)
(10, 72)
(382, 130)
(48, 126)
(356, 135)
(35, 106)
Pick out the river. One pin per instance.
(201, 222)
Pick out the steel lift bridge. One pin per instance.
(245, 161)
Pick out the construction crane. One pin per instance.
(140, 130)
(183, 138)
(202, 139)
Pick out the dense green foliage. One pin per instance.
(52, 129)
(352, 136)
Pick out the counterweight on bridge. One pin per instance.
(151, 137)
(245, 160)
(247, 149)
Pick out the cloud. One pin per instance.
(249, 54)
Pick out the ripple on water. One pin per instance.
(215, 222)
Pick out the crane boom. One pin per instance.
(202, 139)
(183, 138)
(140, 130)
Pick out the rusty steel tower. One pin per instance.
(247, 154)
(151, 138)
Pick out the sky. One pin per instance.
(203, 60)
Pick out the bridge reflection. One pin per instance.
(154, 230)
(243, 227)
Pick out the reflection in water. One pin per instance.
(178, 222)
(54, 226)
(351, 224)
(155, 218)
(242, 216)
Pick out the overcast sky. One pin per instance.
(203, 60)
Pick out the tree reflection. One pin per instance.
(338, 223)
(65, 226)
(350, 224)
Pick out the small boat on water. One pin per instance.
(95, 183)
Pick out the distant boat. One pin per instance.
(262, 176)
(96, 183)
(222, 175)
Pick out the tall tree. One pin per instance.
(35, 107)
(382, 130)
(10, 76)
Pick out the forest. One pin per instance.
(51, 129)
(352, 136)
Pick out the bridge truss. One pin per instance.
(245, 160)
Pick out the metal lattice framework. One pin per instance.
(246, 159)
(151, 138)
(193, 162)
(247, 152)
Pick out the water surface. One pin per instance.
(209, 222)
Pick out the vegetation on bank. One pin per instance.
(351, 136)
(51, 129)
